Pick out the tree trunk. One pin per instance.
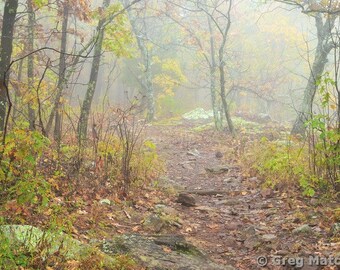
(149, 89)
(147, 78)
(224, 100)
(213, 90)
(146, 59)
(322, 50)
(30, 61)
(61, 75)
(86, 106)
(5, 54)
(222, 72)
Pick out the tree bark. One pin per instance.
(86, 106)
(147, 78)
(224, 100)
(213, 90)
(222, 72)
(30, 61)
(61, 75)
(5, 54)
(146, 60)
(322, 51)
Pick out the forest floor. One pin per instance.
(234, 222)
(243, 220)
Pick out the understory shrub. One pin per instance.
(20, 177)
(282, 162)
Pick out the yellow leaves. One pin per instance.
(173, 66)
(171, 76)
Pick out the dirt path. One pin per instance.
(244, 221)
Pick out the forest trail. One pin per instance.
(242, 221)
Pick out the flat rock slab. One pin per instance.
(161, 252)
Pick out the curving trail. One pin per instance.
(241, 221)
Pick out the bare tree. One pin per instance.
(221, 19)
(325, 14)
(86, 106)
(141, 30)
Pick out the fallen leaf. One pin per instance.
(166, 249)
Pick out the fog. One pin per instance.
(170, 54)
(267, 53)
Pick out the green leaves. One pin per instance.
(40, 3)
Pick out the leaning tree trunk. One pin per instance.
(322, 50)
(86, 106)
(30, 62)
(5, 54)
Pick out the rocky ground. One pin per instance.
(226, 213)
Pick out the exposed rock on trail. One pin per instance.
(155, 252)
(161, 252)
(186, 199)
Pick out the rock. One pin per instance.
(229, 180)
(268, 237)
(250, 231)
(264, 118)
(252, 242)
(197, 114)
(161, 252)
(186, 199)
(187, 166)
(231, 242)
(267, 193)
(28, 239)
(154, 223)
(218, 154)
(150, 252)
(217, 169)
(105, 201)
(229, 202)
(194, 153)
(304, 229)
